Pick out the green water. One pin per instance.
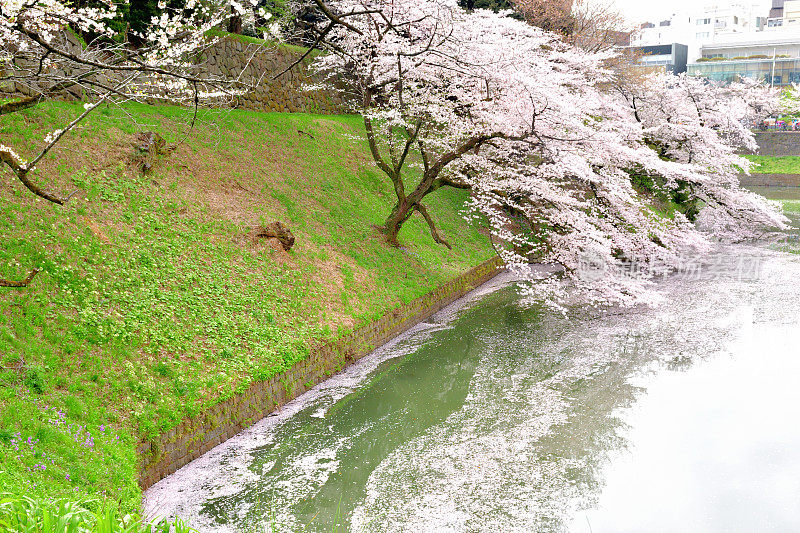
(504, 416)
(402, 400)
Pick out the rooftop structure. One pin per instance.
(703, 25)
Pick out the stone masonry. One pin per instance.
(253, 64)
(778, 143)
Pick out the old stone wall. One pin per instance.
(195, 436)
(770, 180)
(778, 143)
(230, 58)
(30, 84)
(258, 64)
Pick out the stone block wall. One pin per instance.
(770, 180)
(778, 143)
(197, 435)
(32, 85)
(231, 57)
(258, 64)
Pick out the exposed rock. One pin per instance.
(276, 245)
(275, 231)
(148, 145)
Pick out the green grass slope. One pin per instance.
(775, 165)
(153, 302)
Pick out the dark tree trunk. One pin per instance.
(235, 22)
(19, 104)
(401, 212)
(24, 283)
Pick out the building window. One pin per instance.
(703, 22)
(702, 35)
(735, 19)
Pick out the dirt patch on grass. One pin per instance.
(94, 227)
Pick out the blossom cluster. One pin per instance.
(37, 35)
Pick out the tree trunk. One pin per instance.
(401, 212)
(235, 22)
(18, 104)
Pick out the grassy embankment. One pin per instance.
(780, 165)
(791, 206)
(775, 165)
(152, 303)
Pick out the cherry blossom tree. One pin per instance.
(704, 124)
(44, 58)
(790, 100)
(530, 125)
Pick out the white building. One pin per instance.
(784, 16)
(764, 44)
(771, 55)
(704, 25)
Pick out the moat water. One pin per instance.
(500, 415)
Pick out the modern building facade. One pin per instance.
(703, 25)
(667, 58)
(784, 14)
(777, 72)
(727, 41)
(771, 55)
(763, 45)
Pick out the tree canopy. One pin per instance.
(553, 143)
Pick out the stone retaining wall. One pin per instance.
(231, 57)
(195, 436)
(778, 143)
(258, 64)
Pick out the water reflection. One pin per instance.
(315, 467)
(713, 449)
(514, 419)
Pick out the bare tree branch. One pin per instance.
(24, 283)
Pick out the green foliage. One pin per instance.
(791, 244)
(775, 165)
(21, 514)
(665, 201)
(277, 8)
(790, 101)
(139, 14)
(151, 305)
(249, 39)
(791, 206)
